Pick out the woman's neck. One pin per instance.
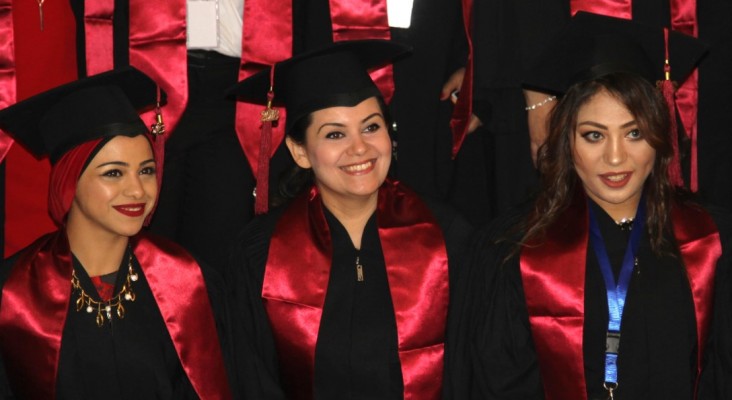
(353, 215)
(619, 212)
(98, 255)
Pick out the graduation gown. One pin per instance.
(496, 356)
(356, 350)
(135, 356)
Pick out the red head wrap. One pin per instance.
(64, 176)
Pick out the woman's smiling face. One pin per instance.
(348, 149)
(117, 190)
(611, 155)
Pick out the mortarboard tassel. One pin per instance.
(269, 115)
(157, 130)
(668, 88)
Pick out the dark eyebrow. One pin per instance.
(124, 164)
(336, 124)
(376, 114)
(120, 163)
(340, 125)
(601, 126)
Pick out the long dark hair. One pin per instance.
(293, 181)
(559, 179)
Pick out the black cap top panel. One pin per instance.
(53, 122)
(594, 45)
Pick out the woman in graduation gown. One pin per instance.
(98, 309)
(354, 274)
(611, 284)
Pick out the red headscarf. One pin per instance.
(64, 176)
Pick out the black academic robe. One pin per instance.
(132, 357)
(494, 355)
(356, 351)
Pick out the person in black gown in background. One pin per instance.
(99, 309)
(355, 273)
(533, 318)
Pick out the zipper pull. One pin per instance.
(359, 270)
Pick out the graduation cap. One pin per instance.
(331, 76)
(594, 45)
(335, 75)
(105, 105)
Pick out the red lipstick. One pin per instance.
(615, 183)
(131, 210)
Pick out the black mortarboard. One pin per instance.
(335, 75)
(53, 122)
(594, 45)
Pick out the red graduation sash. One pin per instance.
(364, 19)
(157, 47)
(553, 273)
(7, 68)
(683, 19)
(294, 288)
(35, 301)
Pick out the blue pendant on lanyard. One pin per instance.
(616, 292)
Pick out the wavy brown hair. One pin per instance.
(555, 161)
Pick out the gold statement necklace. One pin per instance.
(104, 308)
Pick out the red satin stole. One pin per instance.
(364, 19)
(35, 301)
(7, 66)
(553, 274)
(295, 287)
(157, 47)
(683, 19)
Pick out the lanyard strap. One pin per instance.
(616, 293)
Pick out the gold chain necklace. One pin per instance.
(125, 293)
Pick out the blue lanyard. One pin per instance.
(616, 293)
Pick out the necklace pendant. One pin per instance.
(100, 317)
